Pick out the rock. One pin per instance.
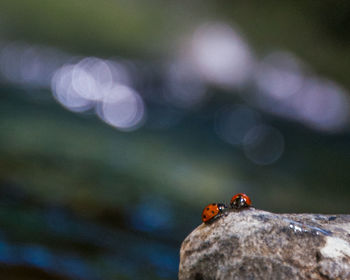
(255, 244)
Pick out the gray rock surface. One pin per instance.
(255, 244)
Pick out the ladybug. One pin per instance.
(240, 200)
(212, 211)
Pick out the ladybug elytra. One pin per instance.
(240, 200)
(212, 211)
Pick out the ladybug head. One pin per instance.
(221, 207)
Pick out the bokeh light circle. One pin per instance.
(232, 123)
(122, 107)
(263, 144)
(221, 55)
(64, 93)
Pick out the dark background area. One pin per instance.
(120, 120)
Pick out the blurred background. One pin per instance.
(121, 119)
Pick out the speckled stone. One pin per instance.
(255, 244)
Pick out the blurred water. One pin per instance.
(55, 240)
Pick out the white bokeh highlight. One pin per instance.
(221, 55)
(323, 105)
(64, 92)
(285, 87)
(101, 84)
(122, 107)
(279, 75)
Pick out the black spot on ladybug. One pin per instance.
(208, 209)
(204, 216)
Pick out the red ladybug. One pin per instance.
(240, 200)
(212, 211)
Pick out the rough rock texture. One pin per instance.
(254, 244)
